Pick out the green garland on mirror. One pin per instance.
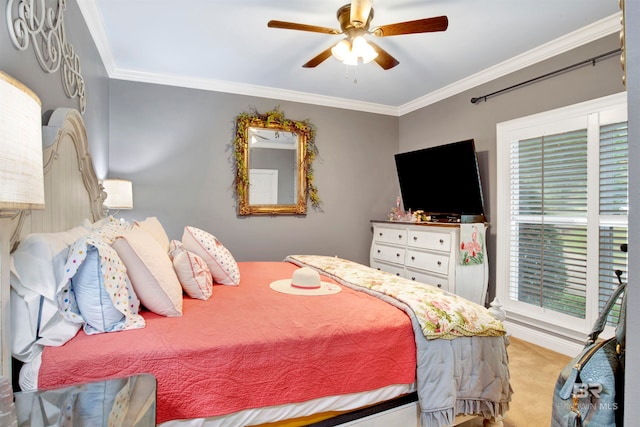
(276, 118)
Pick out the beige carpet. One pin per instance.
(534, 371)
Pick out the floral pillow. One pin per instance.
(97, 291)
(193, 273)
(221, 263)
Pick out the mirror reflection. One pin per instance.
(273, 167)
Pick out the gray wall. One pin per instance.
(175, 146)
(24, 66)
(456, 118)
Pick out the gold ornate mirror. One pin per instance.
(273, 164)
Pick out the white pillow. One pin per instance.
(193, 273)
(151, 272)
(37, 271)
(221, 263)
(152, 226)
(99, 293)
(39, 260)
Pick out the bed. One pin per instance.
(231, 350)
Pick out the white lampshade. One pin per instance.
(119, 193)
(21, 174)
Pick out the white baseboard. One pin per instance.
(546, 340)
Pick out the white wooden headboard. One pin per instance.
(72, 194)
(71, 187)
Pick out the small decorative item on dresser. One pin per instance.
(420, 216)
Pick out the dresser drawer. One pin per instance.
(429, 279)
(390, 235)
(436, 263)
(389, 268)
(430, 240)
(388, 253)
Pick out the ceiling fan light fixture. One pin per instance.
(350, 59)
(341, 50)
(348, 52)
(363, 50)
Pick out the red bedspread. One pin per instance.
(249, 346)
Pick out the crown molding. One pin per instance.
(93, 20)
(580, 37)
(251, 90)
(587, 34)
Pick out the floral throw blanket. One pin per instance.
(440, 314)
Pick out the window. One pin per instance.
(562, 212)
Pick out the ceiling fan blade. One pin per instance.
(383, 59)
(301, 27)
(360, 10)
(318, 59)
(427, 25)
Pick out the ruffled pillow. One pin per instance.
(97, 291)
(193, 273)
(221, 263)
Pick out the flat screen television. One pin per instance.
(442, 181)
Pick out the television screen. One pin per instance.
(441, 181)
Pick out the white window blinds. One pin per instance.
(562, 212)
(549, 207)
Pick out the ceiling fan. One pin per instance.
(355, 19)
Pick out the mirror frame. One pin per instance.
(306, 153)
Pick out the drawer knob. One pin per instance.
(413, 258)
(397, 255)
(380, 234)
(439, 285)
(439, 263)
(400, 236)
(415, 238)
(441, 241)
(413, 278)
(397, 274)
(378, 250)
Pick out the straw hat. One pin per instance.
(305, 281)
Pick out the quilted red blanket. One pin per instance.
(247, 347)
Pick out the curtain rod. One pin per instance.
(553, 73)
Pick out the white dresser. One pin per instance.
(428, 253)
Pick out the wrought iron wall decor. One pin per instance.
(33, 22)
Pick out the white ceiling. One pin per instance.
(225, 45)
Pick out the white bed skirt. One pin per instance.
(271, 414)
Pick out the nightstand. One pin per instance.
(125, 402)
